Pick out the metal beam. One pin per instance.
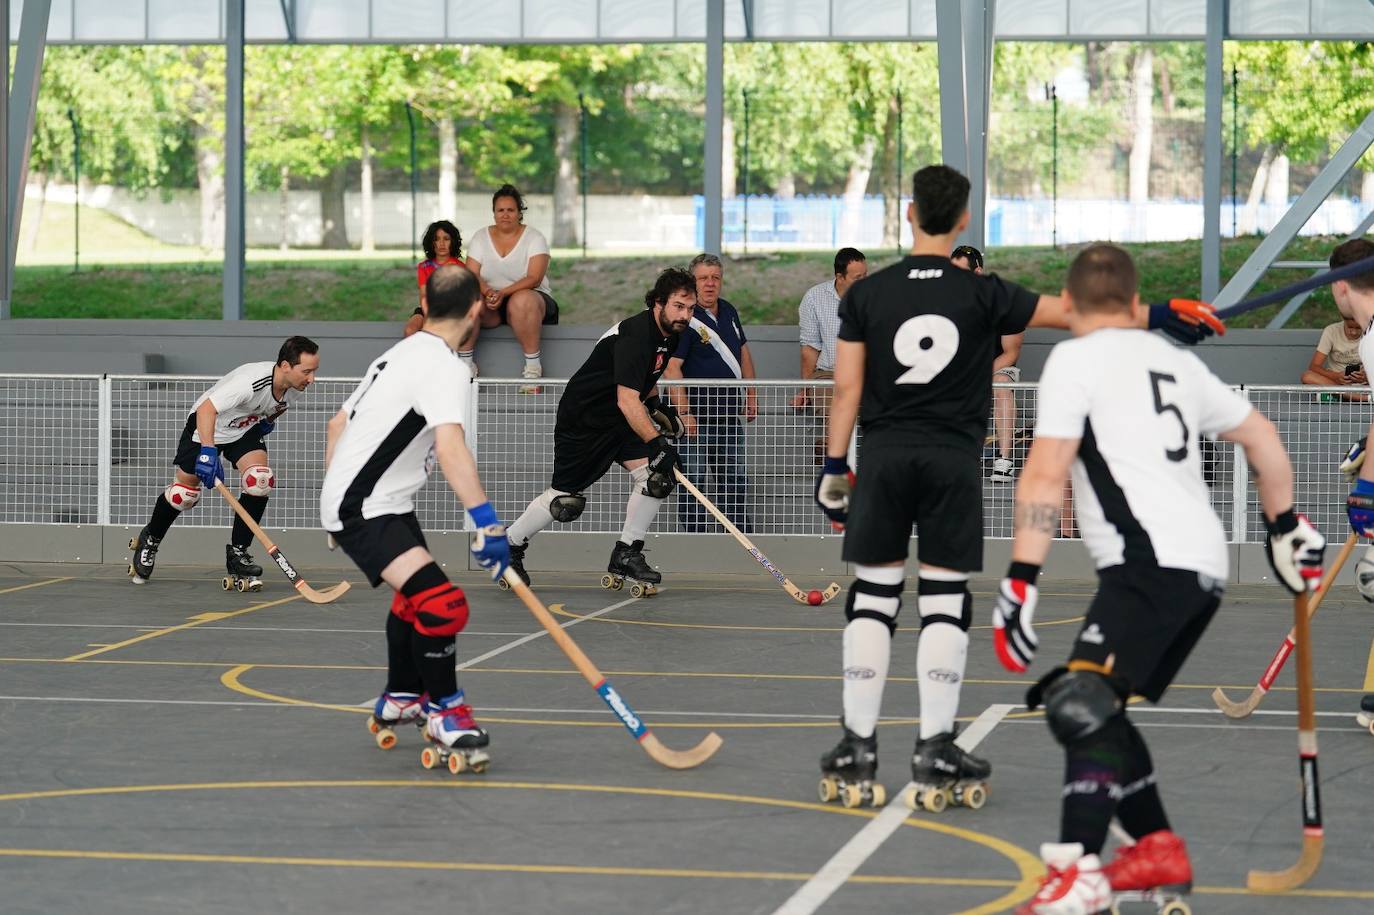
(6, 264)
(1211, 149)
(28, 70)
(1293, 304)
(978, 21)
(715, 122)
(1302, 209)
(288, 16)
(233, 162)
(949, 48)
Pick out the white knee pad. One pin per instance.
(259, 480)
(1364, 575)
(181, 496)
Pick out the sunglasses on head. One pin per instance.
(974, 256)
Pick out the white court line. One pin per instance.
(377, 631)
(814, 893)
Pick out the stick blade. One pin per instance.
(1292, 878)
(829, 593)
(1241, 709)
(681, 759)
(327, 596)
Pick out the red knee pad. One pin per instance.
(441, 610)
(402, 608)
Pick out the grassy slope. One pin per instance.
(318, 285)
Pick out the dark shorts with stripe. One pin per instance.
(1143, 623)
(581, 456)
(938, 488)
(374, 543)
(188, 449)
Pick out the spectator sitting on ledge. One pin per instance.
(1336, 361)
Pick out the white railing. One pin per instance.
(91, 449)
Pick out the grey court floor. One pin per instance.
(175, 748)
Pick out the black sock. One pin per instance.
(402, 676)
(163, 517)
(1141, 810)
(429, 576)
(1093, 777)
(432, 654)
(241, 536)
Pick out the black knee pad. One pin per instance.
(566, 508)
(889, 593)
(659, 485)
(1081, 703)
(933, 600)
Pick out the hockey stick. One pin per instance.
(1287, 292)
(1311, 857)
(673, 759)
(328, 595)
(1251, 702)
(798, 594)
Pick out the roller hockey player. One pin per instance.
(611, 413)
(230, 420)
(408, 411)
(1124, 410)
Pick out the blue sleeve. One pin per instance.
(684, 343)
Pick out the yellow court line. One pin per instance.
(192, 623)
(1369, 670)
(35, 584)
(557, 609)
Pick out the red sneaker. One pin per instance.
(1073, 885)
(1158, 860)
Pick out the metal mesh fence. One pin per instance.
(86, 450)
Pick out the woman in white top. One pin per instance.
(511, 261)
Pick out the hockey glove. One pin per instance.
(833, 487)
(1359, 505)
(208, 468)
(1364, 575)
(1294, 548)
(663, 462)
(1187, 321)
(490, 547)
(1352, 462)
(266, 427)
(665, 417)
(1013, 636)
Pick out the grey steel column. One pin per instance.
(978, 18)
(23, 105)
(1211, 151)
(949, 46)
(233, 160)
(1291, 308)
(6, 263)
(715, 121)
(1342, 161)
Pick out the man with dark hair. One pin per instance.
(916, 347)
(407, 414)
(232, 417)
(610, 413)
(1004, 369)
(819, 324)
(1123, 410)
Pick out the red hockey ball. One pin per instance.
(815, 598)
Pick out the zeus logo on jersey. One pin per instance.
(919, 273)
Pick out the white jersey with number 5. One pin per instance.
(384, 455)
(1138, 405)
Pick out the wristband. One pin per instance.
(483, 515)
(1286, 520)
(835, 466)
(1024, 571)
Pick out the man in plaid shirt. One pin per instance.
(819, 318)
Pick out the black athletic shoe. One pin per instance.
(237, 562)
(940, 761)
(517, 560)
(629, 562)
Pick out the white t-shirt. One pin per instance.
(1338, 349)
(499, 272)
(1138, 405)
(386, 451)
(243, 398)
(1367, 350)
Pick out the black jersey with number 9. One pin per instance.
(931, 332)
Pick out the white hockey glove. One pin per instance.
(1013, 635)
(833, 487)
(1295, 550)
(1352, 462)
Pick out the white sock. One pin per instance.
(940, 659)
(535, 518)
(532, 361)
(867, 650)
(640, 509)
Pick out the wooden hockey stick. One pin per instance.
(328, 595)
(673, 759)
(798, 594)
(1251, 702)
(1311, 857)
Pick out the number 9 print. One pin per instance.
(925, 344)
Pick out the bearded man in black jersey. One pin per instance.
(610, 413)
(916, 345)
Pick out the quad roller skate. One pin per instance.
(244, 573)
(1155, 871)
(145, 555)
(393, 709)
(1365, 718)
(455, 739)
(628, 563)
(517, 564)
(847, 772)
(944, 774)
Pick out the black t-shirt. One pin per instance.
(931, 332)
(633, 354)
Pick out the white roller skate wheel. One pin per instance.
(607, 582)
(386, 738)
(372, 726)
(240, 585)
(912, 799)
(428, 758)
(1176, 907)
(852, 796)
(975, 796)
(879, 796)
(255, 586)
(828, 789)
(456, 762)
(636, 590)
(226, 582)
(935, 801)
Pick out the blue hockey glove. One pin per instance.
(1359, 505)
(833, 487)
(1186, 320)
(266, 427)
(490, 546)
(1013, 635)
(208, 467)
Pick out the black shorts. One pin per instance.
(1144, 621)
(582, 456)
(188, 449)
(550, 309)
(374, 543)
(937, 488)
